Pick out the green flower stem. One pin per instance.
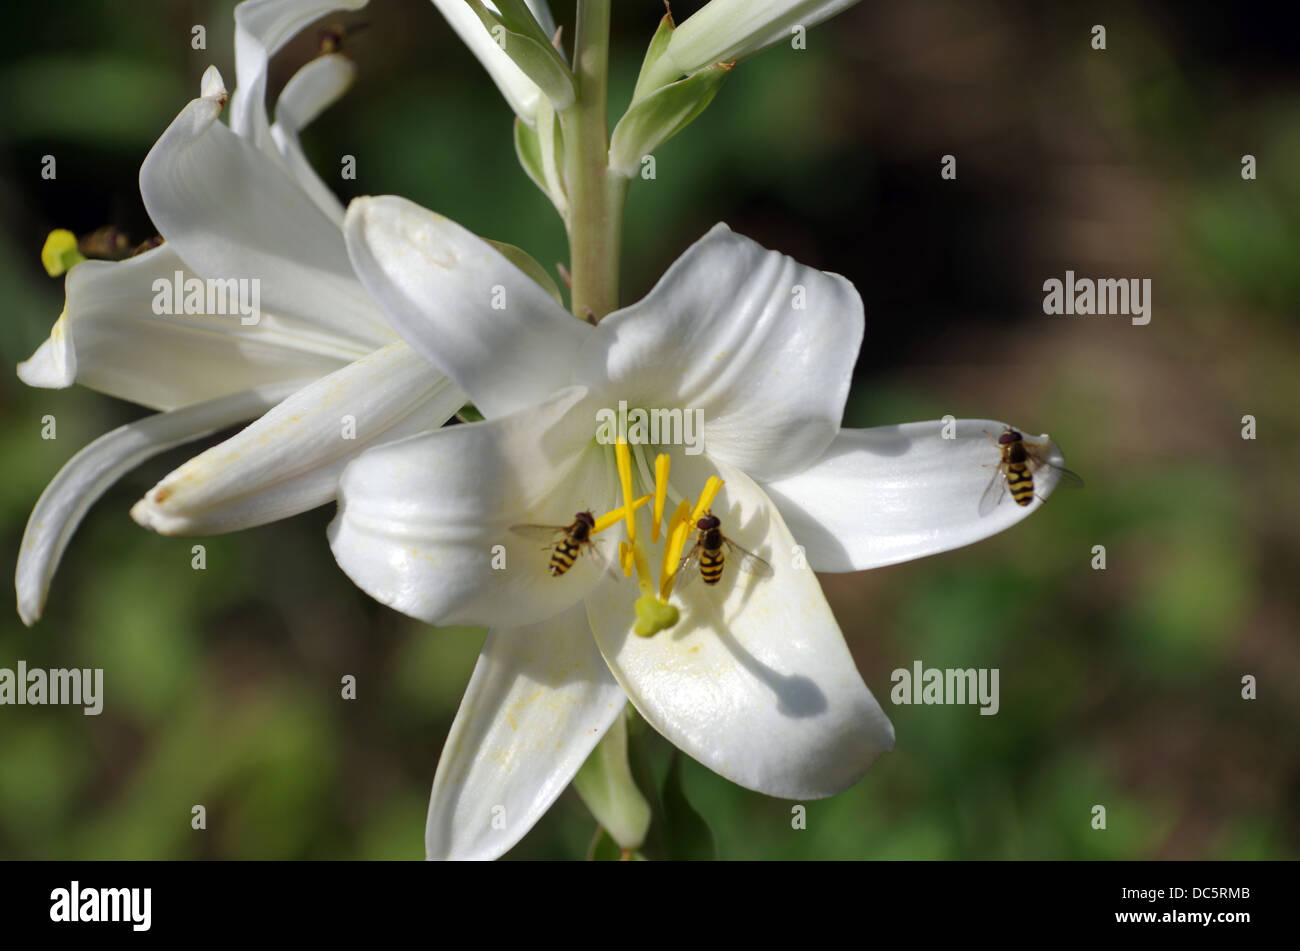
(595, 195)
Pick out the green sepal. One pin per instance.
(661, 115)
(539, 60)
(526, 263)
(655, 70)
(605, 784)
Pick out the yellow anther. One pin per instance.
(60, 252)
(624, 458)
(663, 462)
(679, 529)
(612, 518)
(706, 498)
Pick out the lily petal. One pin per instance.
(454, 298)
(519, 91)
(424, 524)
(762, 344)
(755, 680)
(110, 339)
(886, 495)
(290, 460)
(723, 31)
(261, 28)
(312, 89)
(229, 212)
(90, 473)
(539, 701)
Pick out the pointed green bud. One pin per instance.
(731, 30)
(661, 115)
(656, 71)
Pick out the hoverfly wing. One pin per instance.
(603, 562)
(995, 492)
(689, 569)
(1066, 478)
(748, 562)
(540, 533)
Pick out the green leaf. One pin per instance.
(687, 836)
(606, 786)
(526, 263)
(657, 118)
(655, 70)
(540, 61)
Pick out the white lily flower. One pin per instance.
(724, 31)
(754, 680)
(237, 203)
(519, 91)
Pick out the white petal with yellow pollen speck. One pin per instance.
(539, 701)
(289, 460)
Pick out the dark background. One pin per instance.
(1119, 687)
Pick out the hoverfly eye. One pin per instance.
(1009, 436)
(707, 523)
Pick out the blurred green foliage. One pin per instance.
(1119, 687)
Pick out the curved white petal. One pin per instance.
(755, 680)
(110, 339)
(423, 521)
(539, 701)
(457, 300)
(519, 91)
(724, 31)
(894, 493)
(89, 473)
(261, 28)
(290, 460)
(229, 212)
(762, 344)
(311, 90)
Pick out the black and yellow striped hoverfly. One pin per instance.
(1015, 471)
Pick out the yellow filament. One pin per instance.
(663, 462)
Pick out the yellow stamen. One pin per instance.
(679, 529)
(625, 558)
(60, 252)
(706, 498)
(612, 518)
(663, 463)
(624, 458)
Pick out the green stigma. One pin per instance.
(60, 252)
(653, 615)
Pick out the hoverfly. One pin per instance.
(573, 540)
(709, 556)
(1016, 469)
